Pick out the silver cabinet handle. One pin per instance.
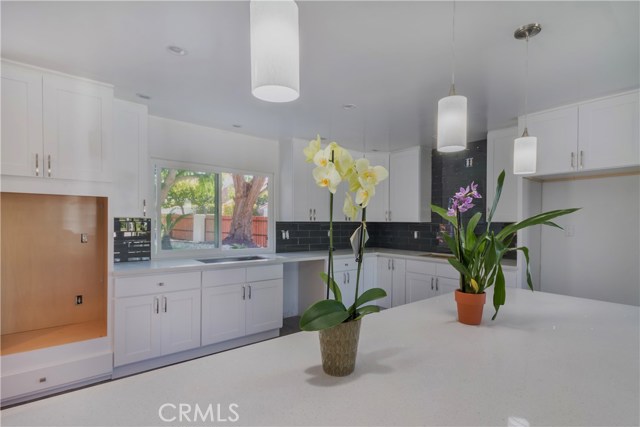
(314, 214)
(164, 301)
(310, 214)
(37, 165)
(144, 207)
(348, 277)
(156, 303)
(49, 165)
(244, 292)
(572, 160)
(386, 215)
(389, 215)
(389, 264)
(249, 291)
(160, 283)
(432, 283)
(581, 159)
(436, 283)
(344, 278)
(393, 264)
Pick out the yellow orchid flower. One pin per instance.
(341, 158)
(352, 178)
(368, 175)
(364, 195)
(474, 285)
(312, 149)
(327, 176)
(349, 209)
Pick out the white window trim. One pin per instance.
(158, 253)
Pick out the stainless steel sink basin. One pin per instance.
(232, 259)
(437, 255)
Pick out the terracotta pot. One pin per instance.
(339, 346)
(470, 307)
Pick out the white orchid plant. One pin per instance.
(334, 165)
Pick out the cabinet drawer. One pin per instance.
(421, 267)
(344, 263)
(144, 285)
(447, 270)
(267, 272)
(228, 276)
(48, 377)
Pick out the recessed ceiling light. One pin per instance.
(143, 96)
(348, 106)
(236, 125)
(177, 50)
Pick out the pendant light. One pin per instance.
(452, 110)
(275, 50)
(525, 148)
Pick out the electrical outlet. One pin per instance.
(415, 234)
(78, 299)
(84, 238)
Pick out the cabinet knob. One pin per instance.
(581, 159)
(49, 165)
(572, 159)
(42, 380)
(160, 283)
(144, 207)
(436, 283)
(432, 283)
(244, 293)
(37, 165)
(249, 286)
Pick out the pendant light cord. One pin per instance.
(453, 52)
(526, 85)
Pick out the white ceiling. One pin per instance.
(390, 58)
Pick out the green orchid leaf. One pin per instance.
(367, 309)
(451, 242)
(323, 314)
(499, 291)
(333, 286)
(460, 267)
(525, 251)
(443, 214)
(471, 228)
(497, 198)
(552, 224)
(370, 295)
(534, 220)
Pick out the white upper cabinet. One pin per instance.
(378, 209)
(557, 133)
(595, 135)
(21, 121)
(130, 145)
(608, 132)
(69, 138)
(410, 185)
(499, 158)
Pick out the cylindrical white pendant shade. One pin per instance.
(525, 151)
(452, 123)
(275, 50)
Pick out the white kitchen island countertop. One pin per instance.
(546, 360)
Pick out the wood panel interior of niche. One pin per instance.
(45, 265)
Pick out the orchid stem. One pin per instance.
(360, 257)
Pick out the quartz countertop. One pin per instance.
(546, 360)
(177, 265)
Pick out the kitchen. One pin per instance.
(172, 102)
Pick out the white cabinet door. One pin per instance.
(347, 282)
(398, 281)
(445, 285)
(21, 121)
(137, 329)
(77, 128)
(409, 185)
(419, 287)
(378, 208)
(264, 306)
(131, 151)
(223, 313)
(384, 280)
(608, 135)
(557, 133)
(180, 321)
(499, 158)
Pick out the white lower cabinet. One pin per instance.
(391, 278)
(427, 279)
(241, 301)
(149, 323)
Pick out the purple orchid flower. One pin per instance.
(462, 201)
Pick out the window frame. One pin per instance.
(159, 253)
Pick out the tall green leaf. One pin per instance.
(534, 220)
(443, 214)
(499, 292)
(497, 198)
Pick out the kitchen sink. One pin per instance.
(232, 259)
(437, 255)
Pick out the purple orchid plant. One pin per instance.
(478, 257)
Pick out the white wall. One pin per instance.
(601, 259)
(181, 141)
